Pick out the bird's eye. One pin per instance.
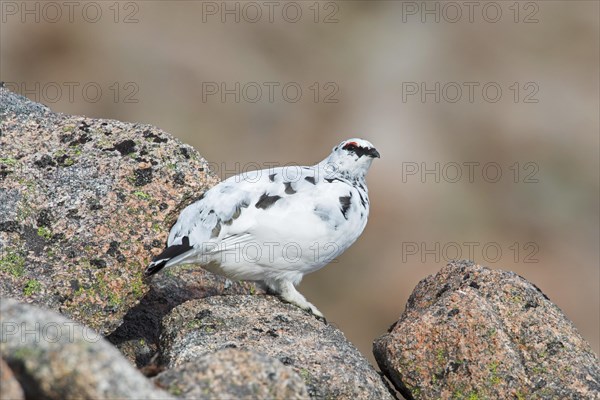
(350, 147)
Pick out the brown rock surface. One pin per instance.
(233, 374)
(470, 332)
(84, 203)
(329, 365)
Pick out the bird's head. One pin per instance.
(351, 158)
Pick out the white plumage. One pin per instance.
(276, 225)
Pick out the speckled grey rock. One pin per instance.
(329, 365)
(10, 389)
(19, 106)
(470, 332)
(233, 374)
(138, 336)
(60, 359)
(84, 204)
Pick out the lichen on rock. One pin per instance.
(469, 332)
(84, 203)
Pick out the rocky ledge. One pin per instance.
(84, 203)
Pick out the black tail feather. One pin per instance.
(170, 252)
(154, 267)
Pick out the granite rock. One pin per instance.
(84, 204)
(235, 374)
(138, 336)
(319, 353)
(55, 358)
(470, 332)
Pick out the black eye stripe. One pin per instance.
(361, 151)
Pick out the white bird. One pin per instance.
(275, 225)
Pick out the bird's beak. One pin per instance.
(373, 153)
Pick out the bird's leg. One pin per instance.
(287, 292)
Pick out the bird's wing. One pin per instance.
(275, 206)
(204, 219)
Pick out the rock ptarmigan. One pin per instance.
(275, 225)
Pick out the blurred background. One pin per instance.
(486, 116)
